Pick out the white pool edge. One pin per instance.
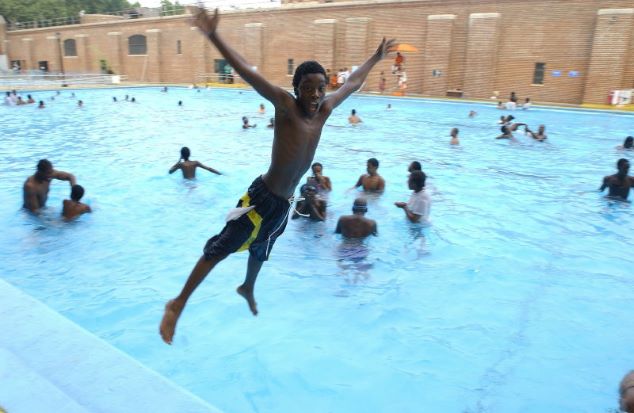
(48, 363)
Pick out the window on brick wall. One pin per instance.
(70, 47)
(137, 44)
(290, 67)
(178, 47)
(538, 74)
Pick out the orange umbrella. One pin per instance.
(404, 47)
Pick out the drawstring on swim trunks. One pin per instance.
(291, 201)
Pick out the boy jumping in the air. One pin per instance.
(261, 214)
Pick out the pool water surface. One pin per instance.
(514, 299)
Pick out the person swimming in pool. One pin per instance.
(372, 181)
(506, 133)
(318, 179)
(262, 213)
(454, 137)
(357, 225)
(312, 206)
(189, 167)
(620, 183)
(540, 135)
(628, 143)
(73, 207)
(36, 187)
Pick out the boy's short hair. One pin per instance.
(44, 165)
(185, 153)
(374, 162)
(76, 192)
(309, 66)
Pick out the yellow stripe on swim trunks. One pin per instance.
(255, 218)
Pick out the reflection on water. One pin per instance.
(352, 260)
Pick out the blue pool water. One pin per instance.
(515, 299)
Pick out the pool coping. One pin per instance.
(49, 363)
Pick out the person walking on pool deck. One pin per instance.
(189, 167)
(262, 213)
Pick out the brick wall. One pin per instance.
(475, 45)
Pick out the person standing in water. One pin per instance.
(262, 213)
(189, 167)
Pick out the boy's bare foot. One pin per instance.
(248, 295)
(168, 324)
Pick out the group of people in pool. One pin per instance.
(261, 214)
(36, 188)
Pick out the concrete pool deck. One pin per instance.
(50, 364)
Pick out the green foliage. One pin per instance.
(29, 10)
(169, 8)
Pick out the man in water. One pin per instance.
(454, 137)
(620, 183)
(320, 181)
(262, 212)
(372, 181)
(189, 167)
(418, 206)
(72, 207)
(246, 124)
(36, 187)
(626, 393)
(540, 135)
(353, 119)
(357, 225)
(311, 206)
(628, 143)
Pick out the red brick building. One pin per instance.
(568, 51)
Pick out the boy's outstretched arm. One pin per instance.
(357, 78)
(208, 25)
(209, 168)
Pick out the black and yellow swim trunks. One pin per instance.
(255, 230)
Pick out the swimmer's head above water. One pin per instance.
(623, 165)
(628, 143)
(185, 153)
(44, 170)
(76, 192)
(360, 206)
(416, 180)
(308, 189)
(373, 165)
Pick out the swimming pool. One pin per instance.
(514, 299)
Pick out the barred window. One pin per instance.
(137, 44)
(538, 74)
(290, 67)
(70, 47)
(178, 47)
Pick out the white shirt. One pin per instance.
(420, 203)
